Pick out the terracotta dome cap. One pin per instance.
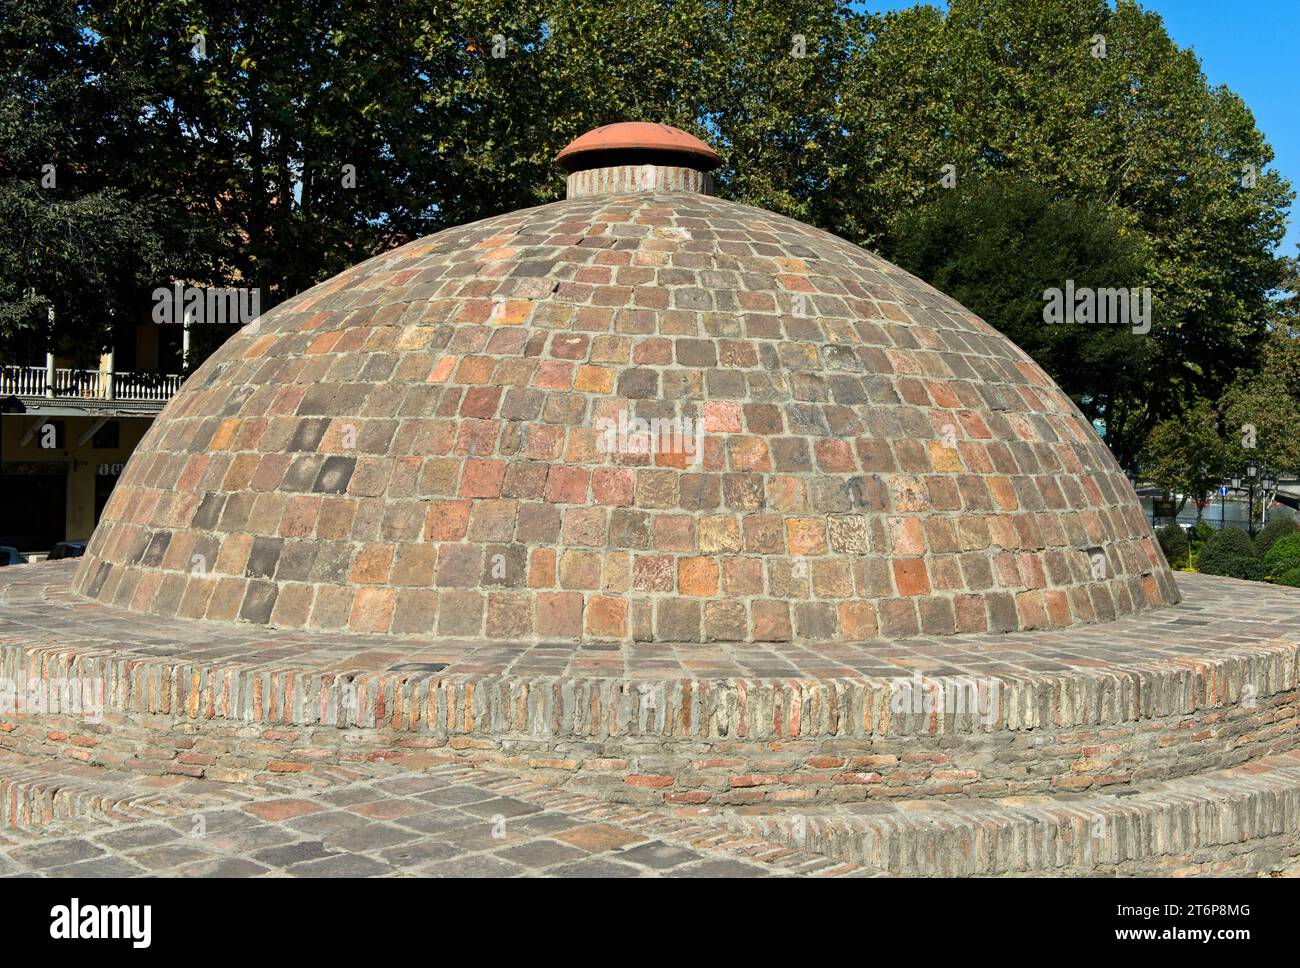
(638, 135)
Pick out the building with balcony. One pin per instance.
(66, 432)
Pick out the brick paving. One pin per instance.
(369, 820)
(450, 821)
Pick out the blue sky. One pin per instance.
(1250, 47)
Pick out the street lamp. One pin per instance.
(1252, 477)
(1267, 482)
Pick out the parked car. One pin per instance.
(67, 549)
(10, 556)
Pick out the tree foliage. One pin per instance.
(1261, 408)
(1018, 89)
(1174, 543)
(271, 144)
(1271, 532)
(86, 235)
(1257, 419)
(1283, 555)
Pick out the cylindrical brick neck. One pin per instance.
(638, 177)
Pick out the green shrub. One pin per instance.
(1284, 555)
(1233, 541)
(1277, 528)
(1232, 553)
(1201, 533)
(1175, 545)
(1291, 578)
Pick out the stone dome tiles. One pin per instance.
(446, 439)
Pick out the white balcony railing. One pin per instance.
(146, 386)
(34, 381)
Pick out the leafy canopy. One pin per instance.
(272, 144)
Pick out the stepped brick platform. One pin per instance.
(39, 795)
(1204, 685)
(1239, 821)
(1162, 743)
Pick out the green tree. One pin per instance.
(1262, 421)
(1262, 406)
(314, 134)
(88, 236)
(1092, 104)
(1173, 542)
(997, 244)
(272, 144)
(1277, 528)
(302, 132)
(1186, 455)
(1231, 552)
(1283, 555)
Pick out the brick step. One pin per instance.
(1243, 820)
(39, 796)
(1195, 689)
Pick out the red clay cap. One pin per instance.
(633, 136)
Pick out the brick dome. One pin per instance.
(451, 439)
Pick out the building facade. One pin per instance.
(66, 432)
